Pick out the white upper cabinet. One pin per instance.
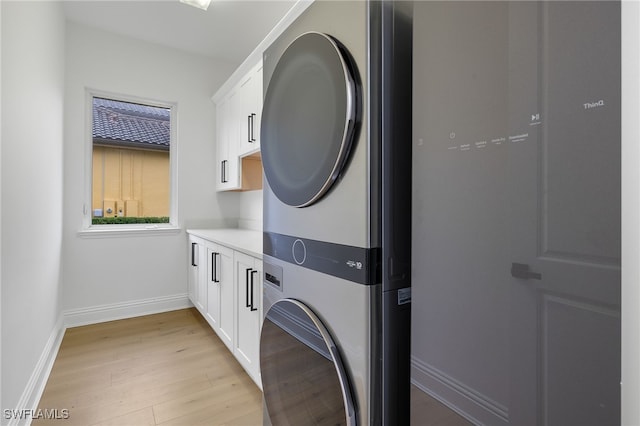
(241, 162)
(238, 115)
(251, 110)
(228, 134)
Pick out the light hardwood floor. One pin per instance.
(166, 369)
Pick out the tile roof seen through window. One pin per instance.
(119, 123)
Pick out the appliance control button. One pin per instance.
(299, 251)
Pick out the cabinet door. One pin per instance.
(193, 269)
(225, 287)
(212, 279)
(250, 90)
(248, 315)
(222, 143)
(201, 288)
(246, 115)
(197, 288)
(257, 99)
(228, 134)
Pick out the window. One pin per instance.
(131, 173)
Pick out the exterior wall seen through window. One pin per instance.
(131, 180)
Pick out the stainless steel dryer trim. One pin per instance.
(350, 118)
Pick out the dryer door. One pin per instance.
(303, 378)
(309, 119)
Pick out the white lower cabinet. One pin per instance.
(197, 266)
(248, 312)
(225, 285)
(220, 287)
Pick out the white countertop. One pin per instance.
(243, 240)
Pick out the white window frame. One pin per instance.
(90, 230)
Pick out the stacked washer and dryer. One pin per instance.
(336, 150)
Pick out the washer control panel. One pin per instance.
(357, 264)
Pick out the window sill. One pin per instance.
(109, 231)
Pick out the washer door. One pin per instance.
(303, 378)
(309, 119)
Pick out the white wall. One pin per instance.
(250, 214)
(118, 270)
(32, 187)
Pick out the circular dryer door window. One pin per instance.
(303, 377)
(309, 119)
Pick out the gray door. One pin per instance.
(516, 216)
(564, 103)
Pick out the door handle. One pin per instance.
(214, 270)
(522, 270)
(252, 307)
(246, 287)
(193, 254)
(253, 127)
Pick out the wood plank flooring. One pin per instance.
(426, 411)
(166, 369)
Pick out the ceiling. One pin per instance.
(229, 30)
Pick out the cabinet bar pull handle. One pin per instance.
(193, 254)
(214, 270)
(225, 171)
(252, 307)
(222, 171)
(246, 288)
(253, 127)
(249, 128)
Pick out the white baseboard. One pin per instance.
(469, 403)
(116, 311)
(38, 380)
